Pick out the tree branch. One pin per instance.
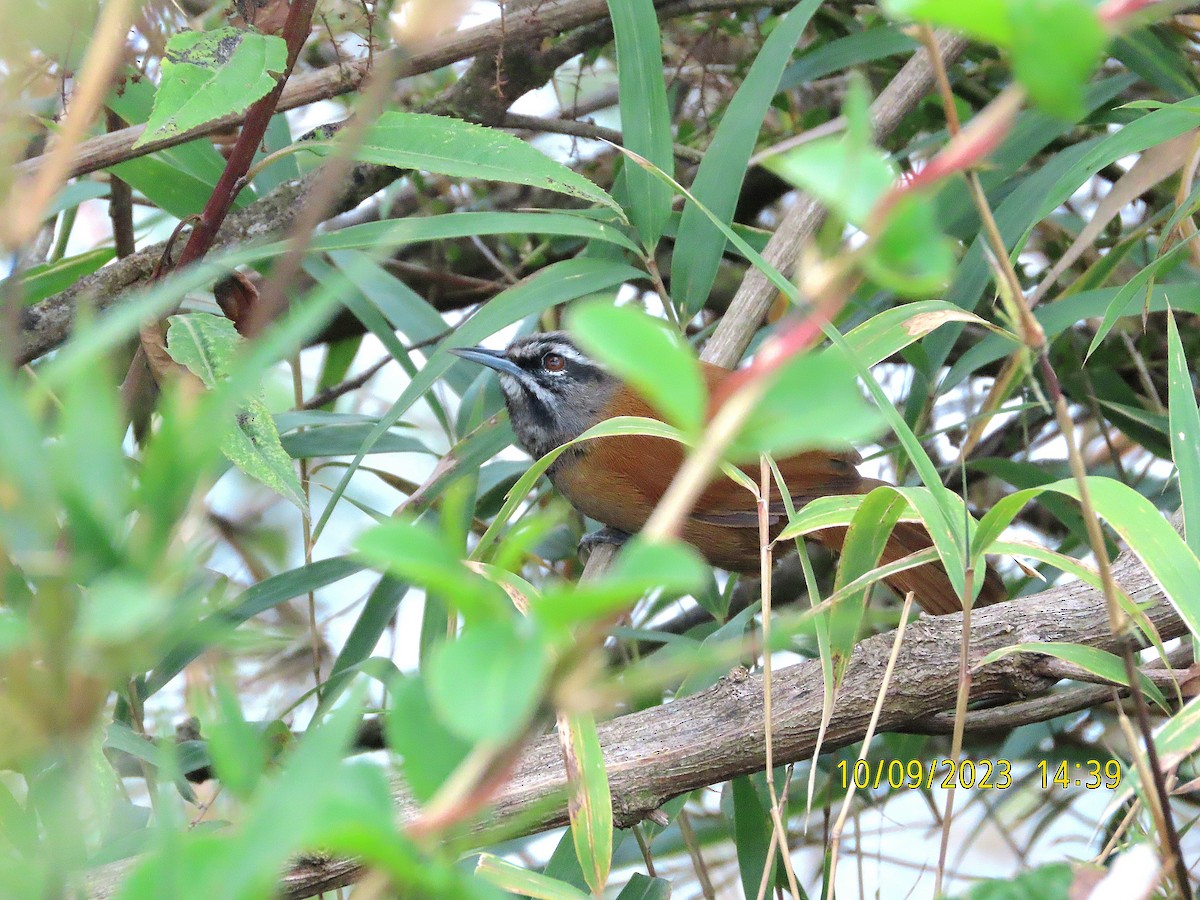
(541, 20)
(756, 294)
(710, 737)
(664, 751)
(46, 324)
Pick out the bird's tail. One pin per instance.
(929, 583)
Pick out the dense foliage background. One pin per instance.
(256, 521)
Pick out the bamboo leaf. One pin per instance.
(718, 182)
(645, 119)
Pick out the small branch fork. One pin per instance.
(295, 32)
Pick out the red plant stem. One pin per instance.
(295, 32)
(1113, 11)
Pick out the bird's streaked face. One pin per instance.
(553, 391)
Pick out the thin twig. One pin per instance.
(95, 78)
(835, 839)
(1034, 339)
(120, 202)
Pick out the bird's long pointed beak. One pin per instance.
(493, 359)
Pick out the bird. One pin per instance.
(555, 392)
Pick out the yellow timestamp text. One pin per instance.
(1091, 774)
(916, 773)
(984, 774)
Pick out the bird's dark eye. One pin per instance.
(554, 362)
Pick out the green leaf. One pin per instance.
(645, 119)
(1091, 659)
(1185, 433)
(448, 146)
(752, 829)
(1149, 535)
(890, 331)
(645, 352)
(833, 415)
(485, 685)
(986, 20)
(851, 176)
(394, 233)
(1131, 297)
(346, 440)
(718, 181)
(640, 567)
(421, 556)
(1054, 70)
(73, 194)
(238, 750)
(1057, 317)
(377, 613)
(177, 179)
(429, 751)
(42, 281)
(847, 178)
(643, 887)
(1049, 882)
(910, 255)
(516, 880)
(591, 806)
(866, 537)
(255, 599)
(826, 57)
(205, 344)
(1159, 58)
(207, 75)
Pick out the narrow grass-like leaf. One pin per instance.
(752, 828)
(1098, 662)
(369, 626)
(645, 119)
(718, 182)
(1185, 434)
(449, 146)
(1139, 523)
(346, 440)
(866, 46)
(394, 233)
(41, 281)
(590, 807)
(516, 880)
(643, 887)
(1131, 298)
(254, 600)
(866, 538)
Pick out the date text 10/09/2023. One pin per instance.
(984, 774)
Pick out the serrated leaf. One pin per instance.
(205, 344)
(254, 447)
(210, 74)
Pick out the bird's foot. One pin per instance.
(589, 542)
